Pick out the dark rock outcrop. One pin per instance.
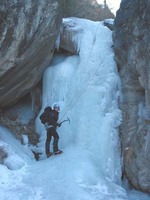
(68, 37)
(19, 129)
(109, 23)
(131, 44)
(28, 31)
(3, 154)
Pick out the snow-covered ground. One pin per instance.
(87, 87)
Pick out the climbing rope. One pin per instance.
(77, 94)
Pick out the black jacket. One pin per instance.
(53, 118)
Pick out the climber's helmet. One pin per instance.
(57, 107)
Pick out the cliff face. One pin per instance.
(131, 44)
(28, 31)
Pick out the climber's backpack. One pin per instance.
(46, 115)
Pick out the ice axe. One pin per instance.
(65, 121)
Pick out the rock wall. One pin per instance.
(28, 31)
(131, 44)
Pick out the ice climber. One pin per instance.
(50, 119)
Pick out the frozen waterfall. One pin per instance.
(87, 88)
